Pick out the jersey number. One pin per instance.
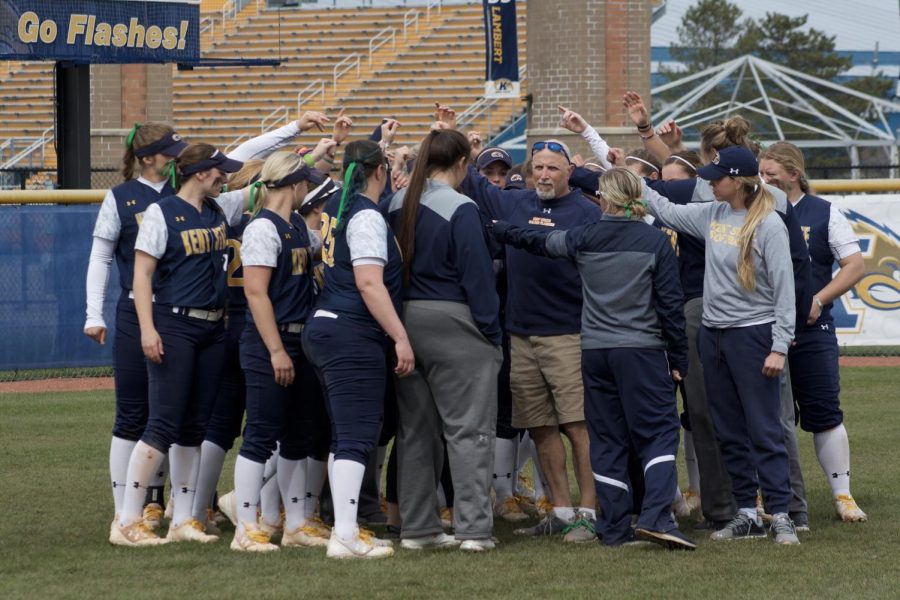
(327, 240)
(234, 264)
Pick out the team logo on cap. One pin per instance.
(496, 154)
(516, 177)
(715, 159)
(734, 171)
(176, 137)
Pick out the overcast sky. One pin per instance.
(858, 24)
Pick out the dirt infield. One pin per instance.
(88, 384)
(76, 384)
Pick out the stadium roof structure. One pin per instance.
(789, 100)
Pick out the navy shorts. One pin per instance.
(815, 378)
(130, 371)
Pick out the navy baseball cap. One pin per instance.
(169, 145)
(216, 161)
(734, 161)
(586, 180)
(489, 155)
(515, 182)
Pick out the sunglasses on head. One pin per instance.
(552, 147)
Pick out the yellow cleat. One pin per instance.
(252, 540)
(320, 526)
(136, 534)
(544, 506)
(191, 530)
(368, 536)
(153, 515)
(848, 510)
(509, 510)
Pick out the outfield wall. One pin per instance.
(44, 253)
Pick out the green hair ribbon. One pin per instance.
(629, 204)
(253, 192)
(129, 141)
(348, 177)
(169, 171)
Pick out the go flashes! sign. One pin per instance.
(99, 31)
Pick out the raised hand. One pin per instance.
(477, 143)
(389, 130)
(636, 109)
(341, 128)
(572, 121)
(670, 134)
(445, 114)
(312, 118)
(325, 147)
(616, 156)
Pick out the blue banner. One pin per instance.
(44, 253)
(99, 31)
(502, 57)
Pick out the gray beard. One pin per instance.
(548, 195)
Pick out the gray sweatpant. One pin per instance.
(798, 504)
(452, 392)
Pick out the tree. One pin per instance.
(707, 35)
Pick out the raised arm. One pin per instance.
(691, 218)
(634, 104)
(575, 123)
(495, 202)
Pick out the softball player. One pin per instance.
(348, 337)
(633, 346)
(181, 247)
(151, 145)
(278, 284)
(748, 325)
(815, 376)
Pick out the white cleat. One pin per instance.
(136, 534)
(252, 540)
(430, 542)
(191, 530)
(477, 545)
(355, 547)
(848, 510)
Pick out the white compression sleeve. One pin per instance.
(99, 266)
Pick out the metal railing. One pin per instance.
(343, 67)
(274, 118)
(316, 88)
(432, 4)
(208, 24)
(388, 34)
(483, 105)
(410, 17)
(28, 152)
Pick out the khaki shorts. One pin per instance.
(545, 380)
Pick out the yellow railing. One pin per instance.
(821, 186)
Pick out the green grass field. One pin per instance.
(56, 511)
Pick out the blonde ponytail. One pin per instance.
(760, 203)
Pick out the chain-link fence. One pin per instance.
(30, 178)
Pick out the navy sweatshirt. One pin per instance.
(632, 293)
(544, 293)
(451, 262)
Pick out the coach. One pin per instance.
(543, 317)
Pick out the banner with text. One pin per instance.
(869, 314)
(99, 31)
(502, 66)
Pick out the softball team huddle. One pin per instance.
(475, 312)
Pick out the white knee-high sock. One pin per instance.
(345, 485)
(212, 458)
(144, 462)
(315, 479)
(248, 481)
(504, 468)
(156, 489)
(270, 495)
(119, 455)
(184, 465)
(292, 483)
(380, 453)
(690, 461)
(833, 452)
(541, 487)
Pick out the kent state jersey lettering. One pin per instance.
(192, 271)
(132, 199)
(813, 214)
(291, 285)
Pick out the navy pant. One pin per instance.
(275, 413)
(629, 401)
(184, 386)
(228, 414)
(815, 378)
(130, 370)
(350, 361)
(746, 406)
